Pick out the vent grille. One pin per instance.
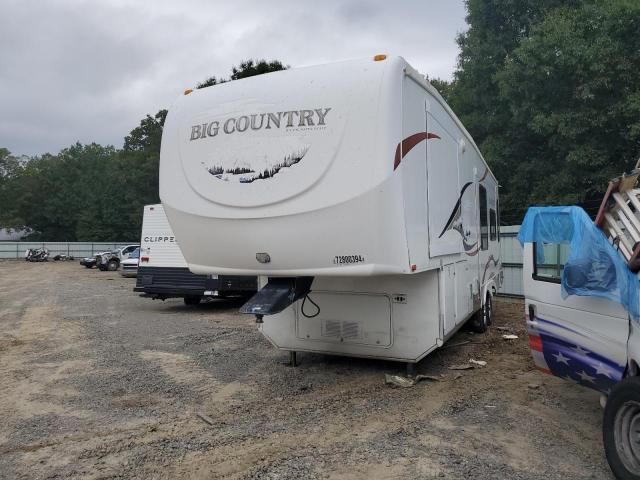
(342, 330)
(331, 328)
(350, 330)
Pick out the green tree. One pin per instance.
(443, 87)
(210, 82)
(247, 68)
(10, 170)
(146, 137)
(573, 97)
(250, 68)
(496, 28)
(54, 189)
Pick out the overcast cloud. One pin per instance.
(89, 71)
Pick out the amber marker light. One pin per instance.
(379, 58)
(188, 91)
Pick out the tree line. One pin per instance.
(548, 89)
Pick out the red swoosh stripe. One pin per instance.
(408, 143)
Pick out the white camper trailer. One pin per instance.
(352, 190)
(163, 272)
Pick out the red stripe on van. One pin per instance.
(535, 343)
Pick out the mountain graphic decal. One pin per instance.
(244, 173)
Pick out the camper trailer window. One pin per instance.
(484, 221)
(548, 264)
(493, 227)
(498, 208)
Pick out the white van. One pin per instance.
(589, 340)
(163, 272)
(355, 193)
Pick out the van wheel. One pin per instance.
(621, 429)
(112, 265)
(195, 300)
(480, 322)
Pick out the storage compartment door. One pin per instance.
(356, 318)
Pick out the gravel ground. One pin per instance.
(100, 383)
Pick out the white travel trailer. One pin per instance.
(354, 192)
(163, 272)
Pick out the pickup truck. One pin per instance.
(109, 260)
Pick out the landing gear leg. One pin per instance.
(293, 361)
(411, 369)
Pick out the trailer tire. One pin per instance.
(480, 322)
(88, 266)
(621, 429)
(489, 304)
(112, 265)
(192, 300)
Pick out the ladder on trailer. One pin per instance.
(619, 216)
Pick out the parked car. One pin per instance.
(109, 260)
(130, 265)
(88, 262)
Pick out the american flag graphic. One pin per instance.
(566, 359)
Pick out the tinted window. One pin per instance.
(484, 221)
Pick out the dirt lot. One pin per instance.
(100, 383)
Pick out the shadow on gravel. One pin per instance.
(208, 305)
(340, 365)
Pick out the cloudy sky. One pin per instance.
(89, 71)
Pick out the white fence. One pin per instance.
(511, 253)
(510, 250)
(76, 249)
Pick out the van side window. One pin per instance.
(493, 225)
(548, 264)
(484, 221)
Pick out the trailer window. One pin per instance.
(498, 208)
(548, 264)
(484, 221)
(493, 226)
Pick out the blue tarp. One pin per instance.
(594, 267)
